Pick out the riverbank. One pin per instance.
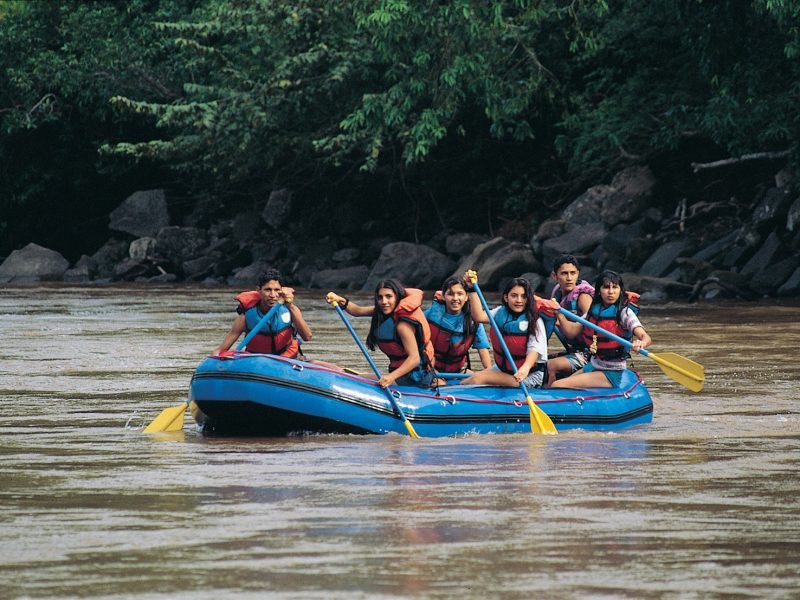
(666, 247)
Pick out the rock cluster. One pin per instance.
(703, 250)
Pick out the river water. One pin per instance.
(703, 502)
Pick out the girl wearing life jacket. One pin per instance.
(279, 334)
(523, 332)
(575, 295)
(399, 329)
(610, 310)
(453, 332)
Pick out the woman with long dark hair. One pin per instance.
(399, 328)
(610, 310)
(523, 333)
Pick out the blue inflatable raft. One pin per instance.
(257, 394)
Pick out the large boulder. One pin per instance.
(347, 278)
(586, 208)
(279, 205)
(179, 244)
(574, 241)
(772, 206)
(84, 270)
(33, 263)
(414, 265)
(793, 216)
(632, 192)
(499, 258)
(662, 260)
(792, 286)
(108, 256)
(656, 288)
(764, 257)
(142, 214)
(462, 244)
(767, 281)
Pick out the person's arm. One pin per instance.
(525, 369)
(405, 331)
(348, 306)
(642, 339)
(568, 327)
(236, 330)
(535, 349)
(486, 358)
(298, 322)
(475, 306)
(584, 303)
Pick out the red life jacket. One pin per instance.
(407, 310)
(606, 317)
(450, 356)
(515, 334)
(276, 336)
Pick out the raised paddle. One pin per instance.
(540, 420)
(375, 370)
(686, 372)
(171, 419)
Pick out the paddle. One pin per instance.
(375, 370)
(540, 421)
(171, 419)
(686, 372)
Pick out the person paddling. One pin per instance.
(523, 332)
(610, 310)
(399, 329)
(279, 334)
(453, 331)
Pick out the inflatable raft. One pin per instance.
(258, 394)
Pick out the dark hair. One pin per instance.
(533, 314)
(610, 277)
(377, 316)
(565, 259)
(269, 275)
(469, 324)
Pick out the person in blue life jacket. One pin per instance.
(523, 332)
(453, 331)
(399, 329)
(279, 334)
(575, 295)
(610, 310)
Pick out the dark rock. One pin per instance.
(108, 256)
(316, 256)
(586, 208)
(248, 276)
(538, 282)
(793, 216)
(784, 178)
(198, 268)
(632, 191)
(765, 255)
(716, 248)
(575, 241)
(130, 269)
(144, 247)
(414, 265)
(497, 258)
(278, 207)
(33, 263)
(768, 280)
(163, 278)
(656, 287)
(345, 255)
(245, 227)
(84, 270)
(772, 206)
(617, 240)
(664, 257)
(690, 270)
(179, 244)
(462, 244)
(791, 288)
(347, 278)
(375, 247)
(142, 214)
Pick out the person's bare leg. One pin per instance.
(581, 380)
(492, 377)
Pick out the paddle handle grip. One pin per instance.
(616, 338)
(257, 328)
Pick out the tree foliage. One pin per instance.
(456, 113)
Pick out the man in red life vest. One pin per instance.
(279, 334)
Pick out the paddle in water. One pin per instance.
(686, 372)
(171, 419)
(540, 420)
(375, 370)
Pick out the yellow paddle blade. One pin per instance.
(686, 372)
(540, 420)
(170, 419)
(411, 431)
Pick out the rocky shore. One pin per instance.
(703, 250)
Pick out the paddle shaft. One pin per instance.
(257, 328)
(624, 342)
(372, 364)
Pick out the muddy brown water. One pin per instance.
(703, 502)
